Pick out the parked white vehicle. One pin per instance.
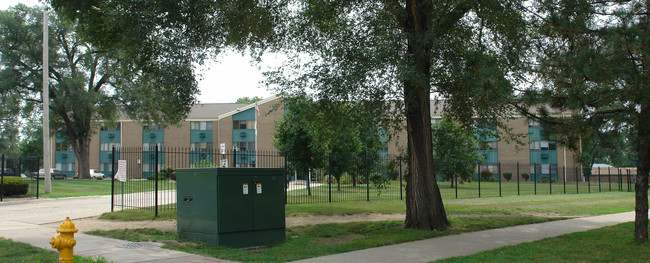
(94, 173)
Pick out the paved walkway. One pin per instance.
(21, 222)
(470, 243)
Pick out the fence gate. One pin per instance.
(25, 167)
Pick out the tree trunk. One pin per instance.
(424, 207)
(643, 167)
(82, 153)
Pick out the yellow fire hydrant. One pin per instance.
(65, 241)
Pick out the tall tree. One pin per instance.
(385, 51)
(88, 84)
(295, 137)
(454, 150)
(594, 61)
(399, 53)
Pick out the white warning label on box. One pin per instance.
(245, 188)
(259, 188)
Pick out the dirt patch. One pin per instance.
(94, 223)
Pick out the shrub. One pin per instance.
(544, 180)
(380, 182)
(493, 179)
(507, 176)
(15, 186)
(167, 173)
(525, 176)
(485, 175)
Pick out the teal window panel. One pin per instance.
(107, 157)
(485, 135)
(244, 115)
(109, 136)
(150, 157)
(246, 157)
(490, 156)
(153, 136)
(200, 136)
(243, 135)
(535, 134)
(64, 157)
(544, 157)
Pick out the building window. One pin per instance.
(108, 146)
(63, 146)
(65, 167)
(242, 125)
(152, 128)
(543, 146)
(106, 167)
(533, 123)
(544, 169)
(107, 127)
(487, 146)
(151, 167)
(201, 146)
(201, 125)
(151, 146)
(245, 146)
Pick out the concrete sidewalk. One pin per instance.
(87, 245)
(469, 243)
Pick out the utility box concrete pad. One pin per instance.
(233, 207)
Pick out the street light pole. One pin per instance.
(46, 107)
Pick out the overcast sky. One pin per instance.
(228, 78)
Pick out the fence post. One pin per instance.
(564, 178)
(456, 179)
(589, 183)
(400, 180)
(112, 178)
(38, 162)
(234, 158)
(628, 179)
(286, 183)
(535, 177)
(620, 180)
(156, 188)
(479, 180)
(2, 178)
(367, 179)
(599, 177)
(577, 186)
(609, 178)
(550, 181)
(499, 173)
(517, 178)
(329, 176)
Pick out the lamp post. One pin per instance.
(46, 106)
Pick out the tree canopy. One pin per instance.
(88, 84)
(593, 61)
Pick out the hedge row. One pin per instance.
(14, 186)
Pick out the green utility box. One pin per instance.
(233, 207)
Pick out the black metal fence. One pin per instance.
(150, 177)
(25, 167)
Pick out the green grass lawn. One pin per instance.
(72, 188)
(608, 244)
(319, 240)
(362, 192)
(553, 205)
(17, 252)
